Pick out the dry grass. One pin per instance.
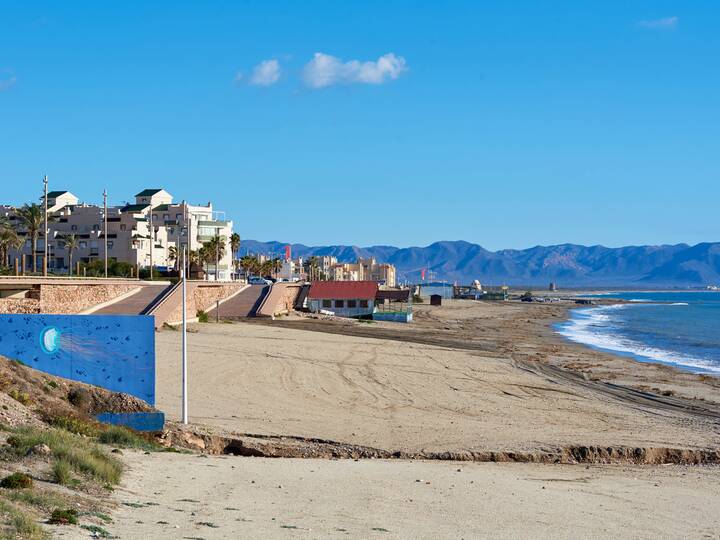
(81, 455)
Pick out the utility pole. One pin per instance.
(45, 265)
(184, 345)
(105, 230)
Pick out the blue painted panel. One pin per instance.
(139, 421)
(116, 352)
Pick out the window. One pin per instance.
(166, 217)
(110, 244)
(326, 303)
(73, 227)
(123, 226)
(352, 303)
(96, 227)
(363, 303)
(339, 303)
(178, 216)
(83, 245)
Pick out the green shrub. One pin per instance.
(62, 472)
(64, 517)
(45, 500)
(18, 524)
(202, 316)
(125, 438)
(75, 425)
(79, 397)
(17, 480)
(22, 397)
(81, 454)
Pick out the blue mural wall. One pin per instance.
(116, 352)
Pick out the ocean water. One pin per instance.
(683, 330)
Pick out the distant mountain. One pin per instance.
(568, 265)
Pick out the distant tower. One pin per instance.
(552, 287)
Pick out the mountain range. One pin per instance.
(568, 265)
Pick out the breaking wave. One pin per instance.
(601, 328)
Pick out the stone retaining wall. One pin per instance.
(66, 299)
(19, 305)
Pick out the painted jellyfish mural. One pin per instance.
(116, 352)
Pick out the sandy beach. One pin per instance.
(535, 418)
(468, 376)
(187, 496)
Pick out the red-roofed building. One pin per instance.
(343, 298)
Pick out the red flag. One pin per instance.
(422, 274)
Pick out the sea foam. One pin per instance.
(595, 327)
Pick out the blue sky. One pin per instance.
(509, 124)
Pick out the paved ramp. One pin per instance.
(138, 303)
(243, 304)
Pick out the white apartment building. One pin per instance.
(141, 234)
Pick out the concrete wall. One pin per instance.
(280, 299)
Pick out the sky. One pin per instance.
(508, 124)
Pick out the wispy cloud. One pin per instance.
(666, 23)
(326, 70)
(7, 80)
(266, 73)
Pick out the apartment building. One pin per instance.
(364, 270)
(141, 234)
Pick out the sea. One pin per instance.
(681, 329)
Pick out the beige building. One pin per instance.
(141, 234)
(363, 270)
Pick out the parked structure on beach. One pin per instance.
(151, 232)
(359, 299)
(343, 298)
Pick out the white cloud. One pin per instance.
(7, 82)
(266, 73)
(326, 70)
(666, 23)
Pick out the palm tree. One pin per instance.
(249, 264)
(235, 248)
(235, 243)
(71, 244)
(212, 249)
(174, 256)
(9, 239)
(32, 218)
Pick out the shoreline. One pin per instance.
(558, 328)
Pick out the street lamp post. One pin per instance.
(183, 277)
(45, 257)
(105, 230)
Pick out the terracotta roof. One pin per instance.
(343, 290)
